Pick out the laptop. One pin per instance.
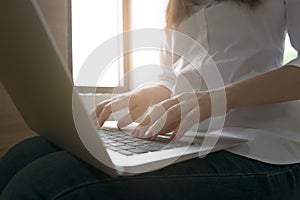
(36, 79)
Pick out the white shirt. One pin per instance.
(244, 43)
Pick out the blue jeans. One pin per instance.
(35, 169)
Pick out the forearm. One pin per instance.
(277, 86)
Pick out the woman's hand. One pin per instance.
(178, 114)
(137, 103)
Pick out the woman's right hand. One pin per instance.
(136, 102)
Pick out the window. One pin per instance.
(290, 53)
(94, 22)
(88, 19)
(146, 14)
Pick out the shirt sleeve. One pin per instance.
(292, 8)
(167, 77)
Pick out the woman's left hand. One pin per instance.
(177, 114)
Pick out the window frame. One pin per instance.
(126, 16)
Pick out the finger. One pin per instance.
(133, 115)
(109, 108)
(156, 112)
(173, 116)
(98, 108)
(187, 123)
(166, 123)
(96, 112)
(152, 116)
(165, 131)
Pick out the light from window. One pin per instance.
(147, 14)
(93, 22)
(289, 52)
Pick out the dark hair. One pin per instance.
(178, 10)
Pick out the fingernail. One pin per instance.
(150, 134)
(136, 132)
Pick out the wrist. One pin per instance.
(230, 98)
(219, 100)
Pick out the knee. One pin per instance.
(24, 153)
(29, 148)
(20, 156)
(48, 177)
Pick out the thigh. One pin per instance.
(220, 175)
(49, 177)
(22, 154)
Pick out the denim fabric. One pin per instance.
(36, 170)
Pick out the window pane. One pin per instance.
(93, 22)
(147, 14)
(145, 62)
(289, 52)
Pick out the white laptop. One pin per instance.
(33, 73)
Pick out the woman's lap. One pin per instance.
(21, 155)
(53, 174)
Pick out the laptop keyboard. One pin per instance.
(128, 145)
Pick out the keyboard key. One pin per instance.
(127, 142)
(158, 144)
(147, 142)
(136, 144)
(150, 148)
(166, 147)
(104, 141)
(126, 147)
(119, 134)
(116, 144)
(113, 148)
(119, 139)
(126, 153)
(137, 151)
(180, 144)
(129, 137)
(136, 139)
(110, 137)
